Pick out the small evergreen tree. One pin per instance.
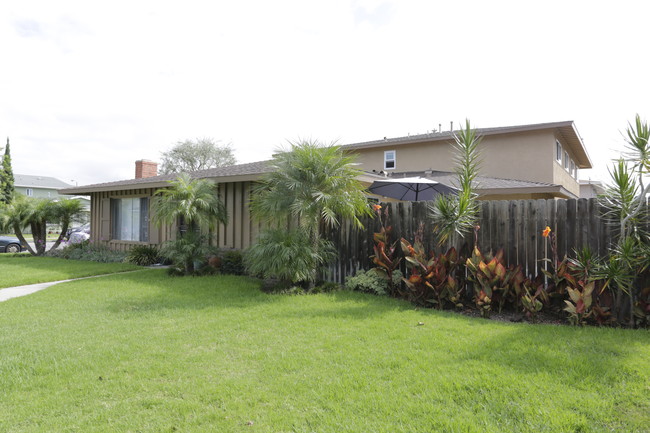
(7, 177)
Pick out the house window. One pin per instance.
(130, 219)
(573, 168)
(558, 151)
(29, 192)
(566, 160)
(389, 160)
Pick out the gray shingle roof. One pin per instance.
(46, 182)
(252, 168)
(448, 135)
(482, 182)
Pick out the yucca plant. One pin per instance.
(455, 216)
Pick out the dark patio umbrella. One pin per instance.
(410, 188)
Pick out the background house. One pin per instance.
(519, 163)
(39, 186)
(549, 155)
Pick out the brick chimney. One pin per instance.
(145, 168)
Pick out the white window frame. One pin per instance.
(29, 192)
(572, 170)
(558, 151)
(566, 160)
(387, 160)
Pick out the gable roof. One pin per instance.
(567, 130)
(232, 173)
(45, 182)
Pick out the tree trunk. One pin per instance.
(21, 238)
(64, 230)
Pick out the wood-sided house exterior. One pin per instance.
(538, 161)
(122, 215)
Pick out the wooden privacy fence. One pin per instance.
(516, 226)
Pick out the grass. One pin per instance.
(21, 269)
(143, 352)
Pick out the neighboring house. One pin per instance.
(44, 187)
(532, 158)
(547, 154)
(591, 188)
(39, 186)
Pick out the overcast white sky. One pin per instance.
(88, 87)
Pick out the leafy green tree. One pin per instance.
(194, 203)
(313, 185)
(6, 177)
(455, 216)
(192, 155)
(37, 213)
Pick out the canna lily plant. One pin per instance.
(431, 281)
(494, 283)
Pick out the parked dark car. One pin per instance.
(10, 245)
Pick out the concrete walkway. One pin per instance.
(14, 292)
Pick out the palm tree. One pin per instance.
(196, 203)
(37, 213)
(313, 185)
(64, 212)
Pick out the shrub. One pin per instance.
(143, 255)
(89, 252)
(372, 282)
(232, 262)
(187, 253)
(287, 255)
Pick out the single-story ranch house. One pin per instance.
(518, 162)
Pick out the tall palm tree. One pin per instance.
(312, 184)
(195, 201)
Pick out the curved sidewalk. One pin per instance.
(14, 292)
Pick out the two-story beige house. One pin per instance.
(520, 162)
(548, 155)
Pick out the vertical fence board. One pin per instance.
(561, 233)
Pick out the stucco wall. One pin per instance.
(524, 156)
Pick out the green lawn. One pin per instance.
(25, 269)
(143, 352)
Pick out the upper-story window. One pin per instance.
(575, 172)
(572, 170)
(389, 160)
(558, 151)
(566, 160)
(29, 192)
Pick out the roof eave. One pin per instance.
(554, 190)
(154, 184)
